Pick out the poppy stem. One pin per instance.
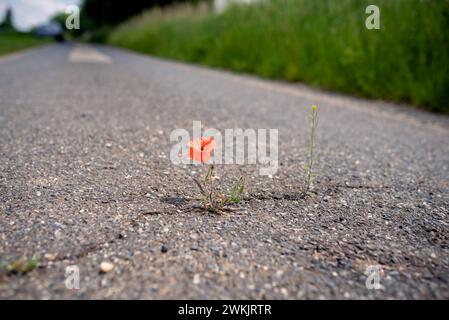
(211, 182)
(200, 187)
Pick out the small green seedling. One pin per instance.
(237, 191)
(22, 267)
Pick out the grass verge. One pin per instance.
(323, 43)
(11, 42)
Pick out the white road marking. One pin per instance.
(86, 53)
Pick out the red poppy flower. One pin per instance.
(201, 149)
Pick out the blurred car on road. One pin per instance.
(52, 29)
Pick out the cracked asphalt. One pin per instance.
(85, 178)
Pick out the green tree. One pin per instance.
(7, 24)
(111, 12)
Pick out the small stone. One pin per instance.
(196, 279)
(194, 236)
(164, 248)
(58, 234)
(106, 267)
(50, 257)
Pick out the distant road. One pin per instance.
(85, 178)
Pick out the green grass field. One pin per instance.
(10, 42)
(323, 43)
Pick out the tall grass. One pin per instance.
(320, 42)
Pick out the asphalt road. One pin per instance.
(85, 178)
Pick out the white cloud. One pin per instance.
(29, 13)
(44, 6)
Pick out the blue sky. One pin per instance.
(29, 13)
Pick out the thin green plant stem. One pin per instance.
(313, 123)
